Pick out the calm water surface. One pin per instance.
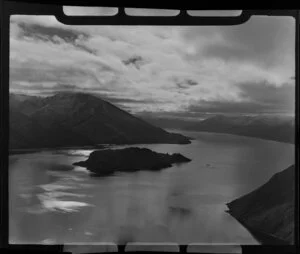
(52, 201)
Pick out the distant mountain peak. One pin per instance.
(74, 95)
(260, 126)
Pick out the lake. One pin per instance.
(53, 202)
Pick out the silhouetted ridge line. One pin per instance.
(268, 212)
(265, 127)
(78, 119)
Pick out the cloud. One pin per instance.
(256, 39)
(136, 61)
(274, 98)
(256, 98)
(186, 83)
(56, 35)
(48, 33)
(157, 69)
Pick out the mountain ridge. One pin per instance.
(269, 209)
(81, 119)
(265, 127)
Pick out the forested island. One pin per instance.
(109, 161)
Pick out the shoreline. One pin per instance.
(104, 146)
(36, 150)
(233, 134)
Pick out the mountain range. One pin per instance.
(77, 119)
(270, 127)
(80, 119)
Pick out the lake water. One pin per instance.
(52, 201)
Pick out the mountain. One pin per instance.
(266, 127)
(78, 119)
(269, 210)
(169, 123)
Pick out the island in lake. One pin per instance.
(108, 161)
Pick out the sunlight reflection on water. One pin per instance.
(184, 203)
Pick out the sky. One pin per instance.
(174, 71)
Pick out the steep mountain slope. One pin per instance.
(270, 208)
(21, 134)
(265, 127)
(24, 103)
(77, 119)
